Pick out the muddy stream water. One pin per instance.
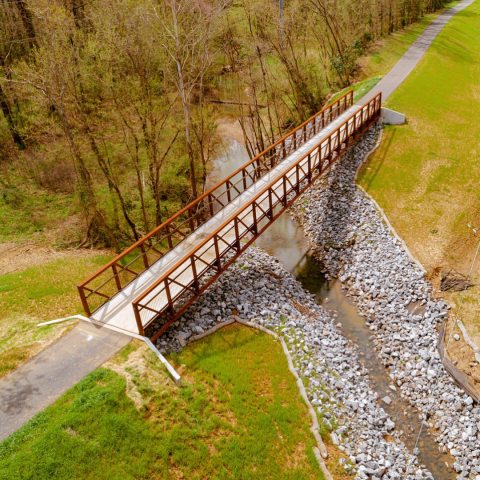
(286, 241)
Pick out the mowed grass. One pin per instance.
(39, 293)
(425, 174)
(239, 416)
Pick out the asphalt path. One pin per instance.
(402, 69)
(40, 381)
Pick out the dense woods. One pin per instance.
(113, 105)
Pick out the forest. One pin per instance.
(110, 108)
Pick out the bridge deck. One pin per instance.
(117, 313)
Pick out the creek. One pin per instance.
(286, 241)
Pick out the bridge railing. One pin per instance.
(178, 288)
(132, 262)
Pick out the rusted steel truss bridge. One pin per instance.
(147, 287)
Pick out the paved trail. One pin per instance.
(40, 381)
(402, 69)
(44, 378)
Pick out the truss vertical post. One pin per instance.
(196, 283)
(138, 320)
(117, 279)
(83, 298)
(217, 252)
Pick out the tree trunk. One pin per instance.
(111, 181)
(95, 221)
(185, 103)
(27, 21)
(78, 11)
(7, 112)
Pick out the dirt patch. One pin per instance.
(311, 315)
(416, 308)
(295, 459)
(137, 371)
(464, 303)
(335, 461)
(454, 281)
(176, 472)
(461, 354)
(15, 257)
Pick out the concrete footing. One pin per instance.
(391, 117)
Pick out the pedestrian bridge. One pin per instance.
(147, 287)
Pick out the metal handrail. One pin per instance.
(371, 109)
(195, 208)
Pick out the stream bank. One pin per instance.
(391, 293)
(286, 241)
(370, 456)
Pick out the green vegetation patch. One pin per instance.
(240, 416)
(26, 210)
(39, 293)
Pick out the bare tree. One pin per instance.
(187, 29)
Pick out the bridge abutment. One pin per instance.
(391, 117)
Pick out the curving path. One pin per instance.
(40, 381)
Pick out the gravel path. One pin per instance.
(390, 291)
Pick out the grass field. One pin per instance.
(425, 174)
(239, 416)
(39, 293)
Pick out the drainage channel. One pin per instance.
(330, 295)
(286, 241)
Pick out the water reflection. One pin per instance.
(283, 239)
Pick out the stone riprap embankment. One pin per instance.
(354, 245)
(258, 289)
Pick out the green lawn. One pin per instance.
(239, 416)
(425, 174)
(39, 293)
